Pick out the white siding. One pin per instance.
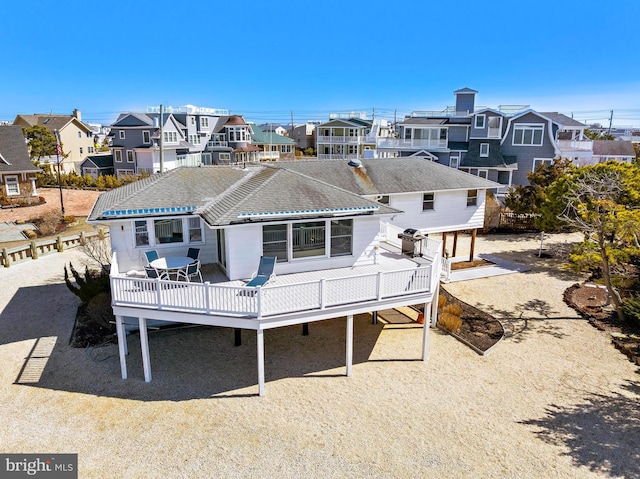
(450, 212)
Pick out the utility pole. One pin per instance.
(610, 121)
(58, 153)
(161, 139)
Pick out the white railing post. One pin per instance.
(259, 305)
(379, 285)
(158, 295)
(207, 297)
(323, 299)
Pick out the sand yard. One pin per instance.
(554, 399)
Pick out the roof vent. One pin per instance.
(355, 163)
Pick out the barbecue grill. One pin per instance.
(411, 242)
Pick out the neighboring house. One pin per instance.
(96, 165)
(502, 144)
(618, 150)
(332, 225)
(76, 138)
(274, 128)
(304, 135)
(349, 136)
(17, 173)
(273, 147)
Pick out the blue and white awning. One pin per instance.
(149, 211)
(312, 212)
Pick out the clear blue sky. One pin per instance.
(266, 59)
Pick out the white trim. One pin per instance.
(528, 126)
(14, 182)
(148, 140)
(121, 134)
(548, 161)
(484, 122)
(484, 154)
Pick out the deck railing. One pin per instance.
(207, 298)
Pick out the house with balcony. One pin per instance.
(137, 138)
(348, 136)
(501, 144)
(17, 173)
(76, 138)
(335, 237)
(304, 135)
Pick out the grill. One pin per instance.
(411, 242)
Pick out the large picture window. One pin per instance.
(168, 231)
(528, 135)
(308, 239)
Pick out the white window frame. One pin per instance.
(484, 146)
(148, 229)
(91, 171)
(121, 134)
(204, 122)
(428, 201)
(498, 128)
(12, 185)
(125, 172)
(454, 160)
(484, 122)
(224, 156)
(533, 127)
(286, 148)
(130, 158)
(483, 173)
(117, 156)
(146, 137)
(472, 198)
(170, 137)
(539, 161)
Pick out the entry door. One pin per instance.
(222, 249)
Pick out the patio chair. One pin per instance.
(153, 273)
(192, 270)
(265, 271)
(151, 255)
(193, 253)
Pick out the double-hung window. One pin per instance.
(274, 241)
(527, 135)
(428, 201)
(484, 150)
(480, 121)
(472, 197)
(13, 187)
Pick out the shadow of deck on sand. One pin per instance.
(189, 363)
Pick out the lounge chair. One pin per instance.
(191, 271)
(265, 271)
(151, 255)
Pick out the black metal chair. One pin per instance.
(154, 273)
(193, 253)
(192, 270)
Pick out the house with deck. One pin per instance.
(338, 244)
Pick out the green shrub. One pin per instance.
(631, 308)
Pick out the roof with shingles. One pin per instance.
(562, 119)
(262, 137)
(13, 150)
(386, 176)
(100, 161)
(50, 122)
(613, 148)
(220, 194)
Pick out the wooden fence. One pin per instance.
(34, 249)
(517, 222)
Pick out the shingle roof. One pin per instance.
(561, 119)
(465, 90)
(100, 161)
(423, 121)
(13, 150)
(613, 148)
(226, 194)
(388, 175)
(261, 137)
(50, 121)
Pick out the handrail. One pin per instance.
(270, 300)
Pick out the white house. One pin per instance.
(335, 240)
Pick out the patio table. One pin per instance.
(171, 264)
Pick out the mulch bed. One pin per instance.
(478, 328)
(470, 264)
(589, 301)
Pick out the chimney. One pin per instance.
(77, 114)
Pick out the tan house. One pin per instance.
(17, 174)
(76, 138)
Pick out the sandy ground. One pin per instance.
(76, 203)
(553, 400)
